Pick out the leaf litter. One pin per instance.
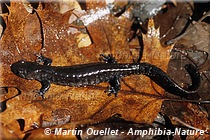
(50, 32)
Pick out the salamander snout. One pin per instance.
(20, 69)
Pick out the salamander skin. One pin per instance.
(94, 73)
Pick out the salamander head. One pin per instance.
(23, 69)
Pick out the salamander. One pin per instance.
(94, 73)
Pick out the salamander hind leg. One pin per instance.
(114, 86)
(107, 58)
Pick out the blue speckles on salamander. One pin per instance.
(90, 74)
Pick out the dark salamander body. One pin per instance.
(90, 74)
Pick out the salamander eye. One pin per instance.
(22, 61)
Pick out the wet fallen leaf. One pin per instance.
(197, 37)
(174, 21)
(194, 45)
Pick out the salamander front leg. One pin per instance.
(107, 58)
(114, 86)
(44, 89)
(43, 60)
